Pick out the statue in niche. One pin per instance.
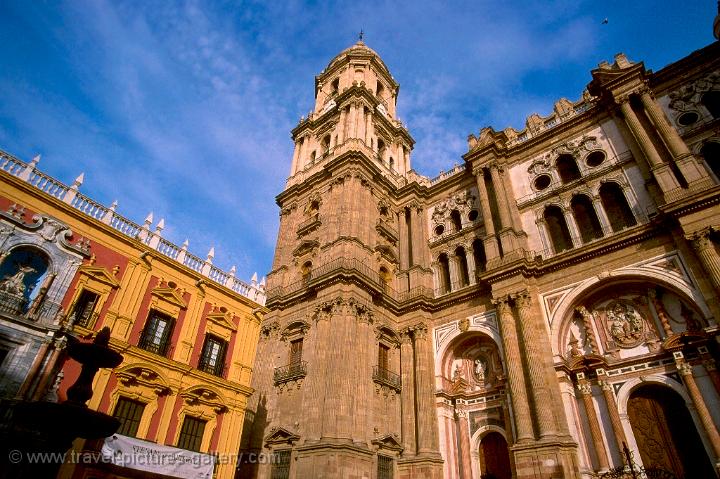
(480, 370)
(15, 284)
(625, 324)
(458, 374)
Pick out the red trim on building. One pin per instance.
(142, 314)
(172, 427)
(155, 420)
(216, 433)
(200, 336)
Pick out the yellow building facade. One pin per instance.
(187, 330)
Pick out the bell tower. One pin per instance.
(344, 372)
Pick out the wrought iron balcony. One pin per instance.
(290, 372)
(217, 369)
(387, 378)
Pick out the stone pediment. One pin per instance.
(222, 319)
(306, 246)
(588, 361)
(144, 376)
(171, 296)
(99, 273)
(280, 435)
(202, 395)
(388, 442)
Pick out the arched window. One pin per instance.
(444, 273)
(385, 277)
(711, 100)
(306, 271)
(464, 277)
(616, 207)
(379, 89)
(22, 275)
(479, 255)
(312, 157)
(335, 85)
(381, 150)
(586, 218)
(326, 145)
(711, 154)
(456, 221)
(557, 229)
(567, 168)
(391, 164)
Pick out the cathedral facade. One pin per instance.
(544, 310)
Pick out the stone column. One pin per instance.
(454, 278)
(490, 242)
(427, 441)
(404, 238)
(640, 134)
(368, 128)
(611, 404)
(503, 208)
(513, 364)
(422, 245)
(602, 216)
(585, 390)
(538, 380)
(512, 205)
(361, 122)
(705, 249)
(685, 371)
(420, 251)
(589, 330)
(669, 135)
(573, 228)
(661, 312)
(407, 405)
(471, 266)
(341, 126)
(464, 432)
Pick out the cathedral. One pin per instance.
(546, 309)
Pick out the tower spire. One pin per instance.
(361, 35)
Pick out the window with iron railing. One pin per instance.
(387, 378)
(191, 434)
(157, 333)
(129, 413)
(212, 358)
(281, 465)
(385, 467)
(84, 308)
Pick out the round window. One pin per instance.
(473, 215)
(542, 182)
(688, 118)
(595, 159)
(439, 229)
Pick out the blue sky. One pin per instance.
(185, 108)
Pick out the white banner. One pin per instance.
(147, 456)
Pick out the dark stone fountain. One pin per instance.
(37, 433)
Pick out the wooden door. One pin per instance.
(495, 457)
(665, 433)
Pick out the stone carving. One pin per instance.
(14, 284)
(463, 201)
(624, 323)
(480, 369)
(688, 96)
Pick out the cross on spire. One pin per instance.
(362, 34)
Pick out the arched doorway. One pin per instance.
(665, 432)
(494, 457)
